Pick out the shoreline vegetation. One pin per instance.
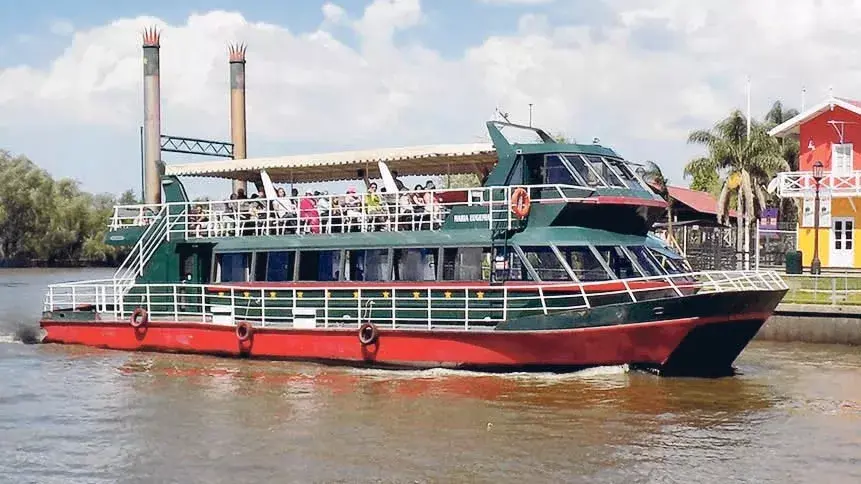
(53, 223)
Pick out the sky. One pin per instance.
(347, 74)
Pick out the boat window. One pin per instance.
(415, 264)
(545, 263)
(585, 171)
(233, 267)
(319, 265)
(279, 266)
(556, 172)
(507, 266)
(585, 265)
(624, 172)
(617, 260)
(259, 260)
(466, 264)
(671, 266)
(646, 261)
(368, 265)
(604, 170)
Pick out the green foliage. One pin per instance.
(460, 181)
(51, 220)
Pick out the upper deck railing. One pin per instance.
(328, 214)
(799, 184)
(433, 305)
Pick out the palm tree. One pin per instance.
(748, 162)
(789, 211)
(651, 173)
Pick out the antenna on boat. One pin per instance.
(502, 115)
(530, 115)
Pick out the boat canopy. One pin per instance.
(345, 165)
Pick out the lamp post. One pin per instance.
(816, 265)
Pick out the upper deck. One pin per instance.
(568, 184)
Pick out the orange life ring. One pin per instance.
(368, 333)
(139, 318)
(520, 203)
(244, 331)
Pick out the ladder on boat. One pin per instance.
(149, 242)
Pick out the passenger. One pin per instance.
(398, 183)
(229, 218)
(374, 207)
(336, 216)
(324, 207)
(285, 213)
(405, 214)
(433, 206)
(308, 214)
(352, 210)
(418, 204)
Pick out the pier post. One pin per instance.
(152, 117)
(237, 107)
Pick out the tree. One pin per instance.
(653, 175)
(789, 149)
(51, 220)
(747, 162)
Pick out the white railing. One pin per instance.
(797, 184)
(325, 214)
(410, 306)
(133, 266)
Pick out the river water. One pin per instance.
(73, 414)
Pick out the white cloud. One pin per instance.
(639, 78)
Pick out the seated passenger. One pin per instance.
(351, 210)
(418, 206)
(285, 213)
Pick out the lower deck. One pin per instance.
(430, 306)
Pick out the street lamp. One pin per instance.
(818, 174)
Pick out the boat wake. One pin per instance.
(598, 372)
(21, 334)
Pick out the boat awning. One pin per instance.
(345, 165)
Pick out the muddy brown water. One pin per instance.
(74, 414)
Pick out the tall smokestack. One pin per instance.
(152, 117)
(237, 107)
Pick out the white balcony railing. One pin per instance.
(800, 184)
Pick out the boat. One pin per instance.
(549, 264)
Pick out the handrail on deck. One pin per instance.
(472, 306)
(402, 211)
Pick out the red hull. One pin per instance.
(643, 343)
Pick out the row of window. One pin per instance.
(581, 170)
(526, 263)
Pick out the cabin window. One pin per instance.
(604, 170)
(545, 263)
(233, 267)
(619, 263)
(508, 266)
(279, 266)
(415, 264)
(585, 171)
(466, 264)
(624, 172)
(672, 266)
(584, 264)
(646, 261)
(319, 265)
(557, 172)
(368, 265)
